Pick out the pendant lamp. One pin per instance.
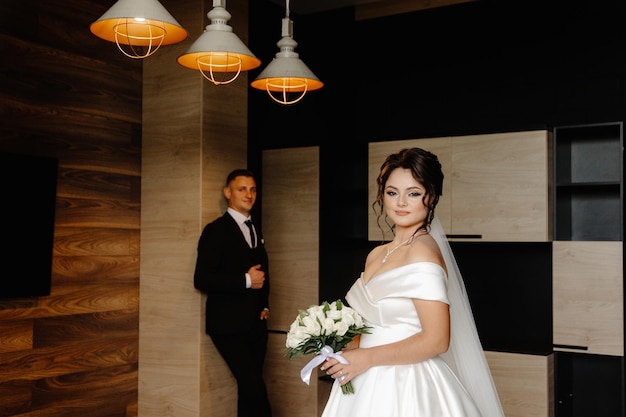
(138, 27)
(218, 53)
(287, 79)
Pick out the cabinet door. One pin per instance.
(588, 305)
(524, 383)
(495, 185)
(500, 187)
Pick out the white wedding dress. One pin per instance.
(436, 387)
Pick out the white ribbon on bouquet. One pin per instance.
(321, 356)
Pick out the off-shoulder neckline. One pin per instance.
(412, 264)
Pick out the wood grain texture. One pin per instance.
(194, 134)
(58, 331)
(64, 95)
(15, 397)
(289, 396)
(291, 231)
(524, 383)
(69, 358)
(86, 241)
(16, 335)
(496, 186)
(588, 297)
(500, 186)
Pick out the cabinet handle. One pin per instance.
(571, 347)
(461, 236)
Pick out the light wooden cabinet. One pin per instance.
(496, 186)
(588, 312)
(524, 383)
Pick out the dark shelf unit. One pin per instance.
(587, 182)
(588, 206)
(589, 385)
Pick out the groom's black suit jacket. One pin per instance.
(224, 257)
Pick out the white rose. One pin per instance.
(297, 334)
(328, 325)
(334, 314)
(341, 328)
(311, 325)
(294, 339)
(347, 316)
(317, 312)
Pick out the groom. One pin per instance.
(232, 269)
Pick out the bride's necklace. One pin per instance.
(390, 251)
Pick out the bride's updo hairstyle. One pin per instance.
(425, 168)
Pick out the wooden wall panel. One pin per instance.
(82, 328)
(95, 241)
(291, 231)
(16, 335)
(66, 94)
(194, 134)
(289, 396)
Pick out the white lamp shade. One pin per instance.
(220, 47)
(287, 72)
(138, 23)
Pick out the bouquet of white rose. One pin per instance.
(324, 330)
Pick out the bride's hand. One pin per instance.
(357, 364)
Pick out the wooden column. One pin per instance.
(194, 133)
(291, 230)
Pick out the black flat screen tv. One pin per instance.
(28, 187)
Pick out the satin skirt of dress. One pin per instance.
(425, 389)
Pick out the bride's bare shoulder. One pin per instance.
(374, 254)
(425, 249)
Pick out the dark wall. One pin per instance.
(325, 118)
(478, 67)
(495, 66)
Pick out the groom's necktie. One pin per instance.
(252, 237)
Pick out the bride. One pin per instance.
(422, 357)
